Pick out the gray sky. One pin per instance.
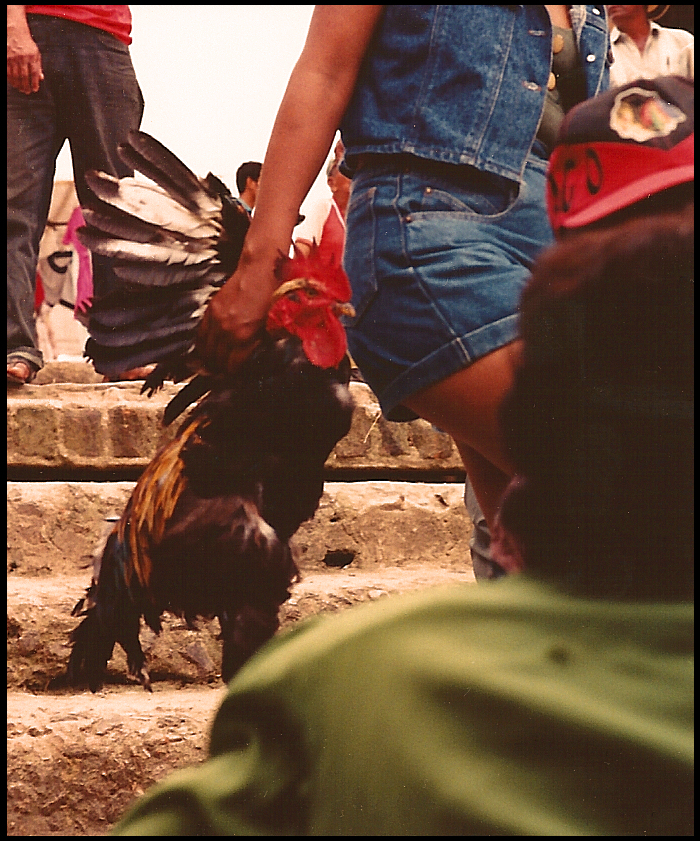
(212, 79)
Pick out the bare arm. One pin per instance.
(317, 95)
(23, 57)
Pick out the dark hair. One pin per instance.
(600, 418)
(250, 169)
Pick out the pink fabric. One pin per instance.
(83, 294)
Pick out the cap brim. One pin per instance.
(630, 194)
(589, 181)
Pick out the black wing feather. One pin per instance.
(172, 241)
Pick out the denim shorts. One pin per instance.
(437, 256)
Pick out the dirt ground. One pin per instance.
(75, 760)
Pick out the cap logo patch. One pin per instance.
(642, 115)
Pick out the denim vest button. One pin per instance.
(531, 86)
(590, 58)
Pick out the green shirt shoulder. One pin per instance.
(504, 709)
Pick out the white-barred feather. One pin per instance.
(152, 204)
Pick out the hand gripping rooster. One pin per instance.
(206, 530)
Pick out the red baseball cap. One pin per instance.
(621, 147)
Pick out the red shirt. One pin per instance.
(113, 19)
(333, 235)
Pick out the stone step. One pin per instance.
(367, 539)
(65, 425)
(39, 626)
(76, 760)
(53, 527)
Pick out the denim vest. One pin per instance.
(464, 84)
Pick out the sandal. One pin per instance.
(19, 371)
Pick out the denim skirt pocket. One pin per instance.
(437, 263)
(475, 193)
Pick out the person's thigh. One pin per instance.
(466, 404)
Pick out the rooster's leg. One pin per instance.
(243, 632)
(135, 658)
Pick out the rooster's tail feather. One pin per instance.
(148, 155)
(112, 614)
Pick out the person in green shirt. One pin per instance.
(555, 701)
(514, 709)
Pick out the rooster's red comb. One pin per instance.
(322, 272)
(313, 292)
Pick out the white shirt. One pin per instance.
(666, 52)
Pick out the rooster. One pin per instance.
(207, 527)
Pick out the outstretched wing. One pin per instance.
(172, 242)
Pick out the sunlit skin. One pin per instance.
(24, 70)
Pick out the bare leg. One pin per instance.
(466, 406)
(480, 542)
(488, 481)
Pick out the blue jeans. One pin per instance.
(480, 543)
(437, 256)
(89, 96)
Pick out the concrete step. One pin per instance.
(66, 426)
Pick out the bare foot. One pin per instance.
(19, 372)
